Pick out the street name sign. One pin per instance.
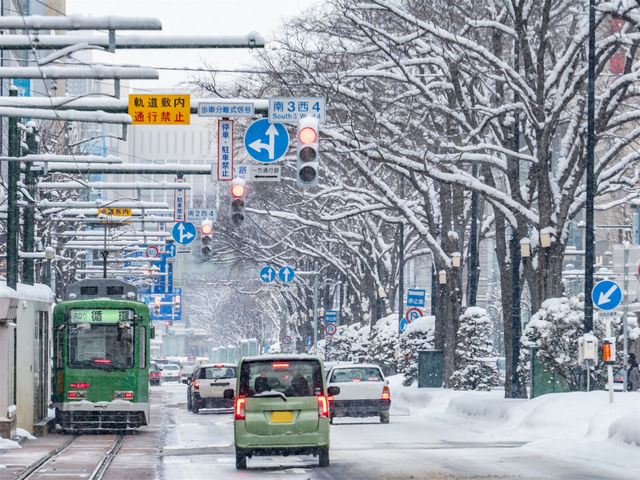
(267, 274)
(198, 214)
(225, 109)
(415, 297)
(606, 295)
(292, 109)
(266, 142)
(225, 149)
(159, 109)
(183, 232)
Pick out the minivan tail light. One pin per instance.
(386, 394)
(196, 385)
(239, 408)
(323, 406)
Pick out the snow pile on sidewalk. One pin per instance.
(568, 416)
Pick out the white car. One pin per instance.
(364, 392)
(170, 372)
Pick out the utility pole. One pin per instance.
(315, 308)
(589, 256)
(13, 218)
(401, 265)
(29, 212)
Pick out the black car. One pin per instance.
(154, 374)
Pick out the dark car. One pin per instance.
(154, 374)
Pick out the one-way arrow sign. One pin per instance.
(265, 141)
(606, 295)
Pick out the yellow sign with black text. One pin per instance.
(159, 109)
(115, 212)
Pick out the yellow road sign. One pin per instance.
(115, 212)
(159, 109)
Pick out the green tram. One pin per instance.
(100, 374)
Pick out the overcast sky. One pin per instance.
(192, 17)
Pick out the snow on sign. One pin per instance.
(179, 201)
(225, 109)
(265, 141)
(606, 295)
(225, 149)
(152, 251)
(159, 109)
(292, 109)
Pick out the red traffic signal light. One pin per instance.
(157, 301)
(166, 323)
(237, 190)
(206, 228)
(307, 135)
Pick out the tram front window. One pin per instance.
(101, 338)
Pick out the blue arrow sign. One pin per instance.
(403, 325)
(267, 274)
(265, 141)
(286, 274)
(606, 295)
(184, 232)
(170, 250)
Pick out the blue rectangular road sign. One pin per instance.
(331, 316)
(415, 297)
(167, 311)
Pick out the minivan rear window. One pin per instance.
(292, 377)
(357, 374)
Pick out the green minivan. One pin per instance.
(281, 407)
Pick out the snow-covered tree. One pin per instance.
(418, 336)
(349, 343)
(477, 368)
(555, 329)
(383, 343)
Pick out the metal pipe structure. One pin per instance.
(54, 42)
(64, 159)
(95, 71)
(78, 22)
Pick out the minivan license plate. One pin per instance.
(281, 417)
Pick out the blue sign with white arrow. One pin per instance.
(606, 295)
(266, 141)
(170, 250)
(286, 274)
(184, 232)
(267, 274)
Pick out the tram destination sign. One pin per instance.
(100, 315)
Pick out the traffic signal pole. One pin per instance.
(13, 219)
(29, 212)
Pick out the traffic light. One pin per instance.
(166, 326)
(237, 202)
(156, 306)
(206, 229)
(609, 351)
(176, 303)
(308, 152)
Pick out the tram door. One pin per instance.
(41, 364)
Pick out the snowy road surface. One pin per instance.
(418, 446)
(432, 434)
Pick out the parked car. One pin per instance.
(207, 384)
(364, 392)
(170, 372)
(154, 374)
(618, 380)
(281, 408)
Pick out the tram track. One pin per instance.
(36, 468)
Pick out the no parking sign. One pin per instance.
(330, 329)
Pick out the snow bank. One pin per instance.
(575, 416)
(22, 433)
(6, 444)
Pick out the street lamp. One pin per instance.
(455, 259)
(381, 296)
(442, 277)
(525, 248)
(545, 237)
